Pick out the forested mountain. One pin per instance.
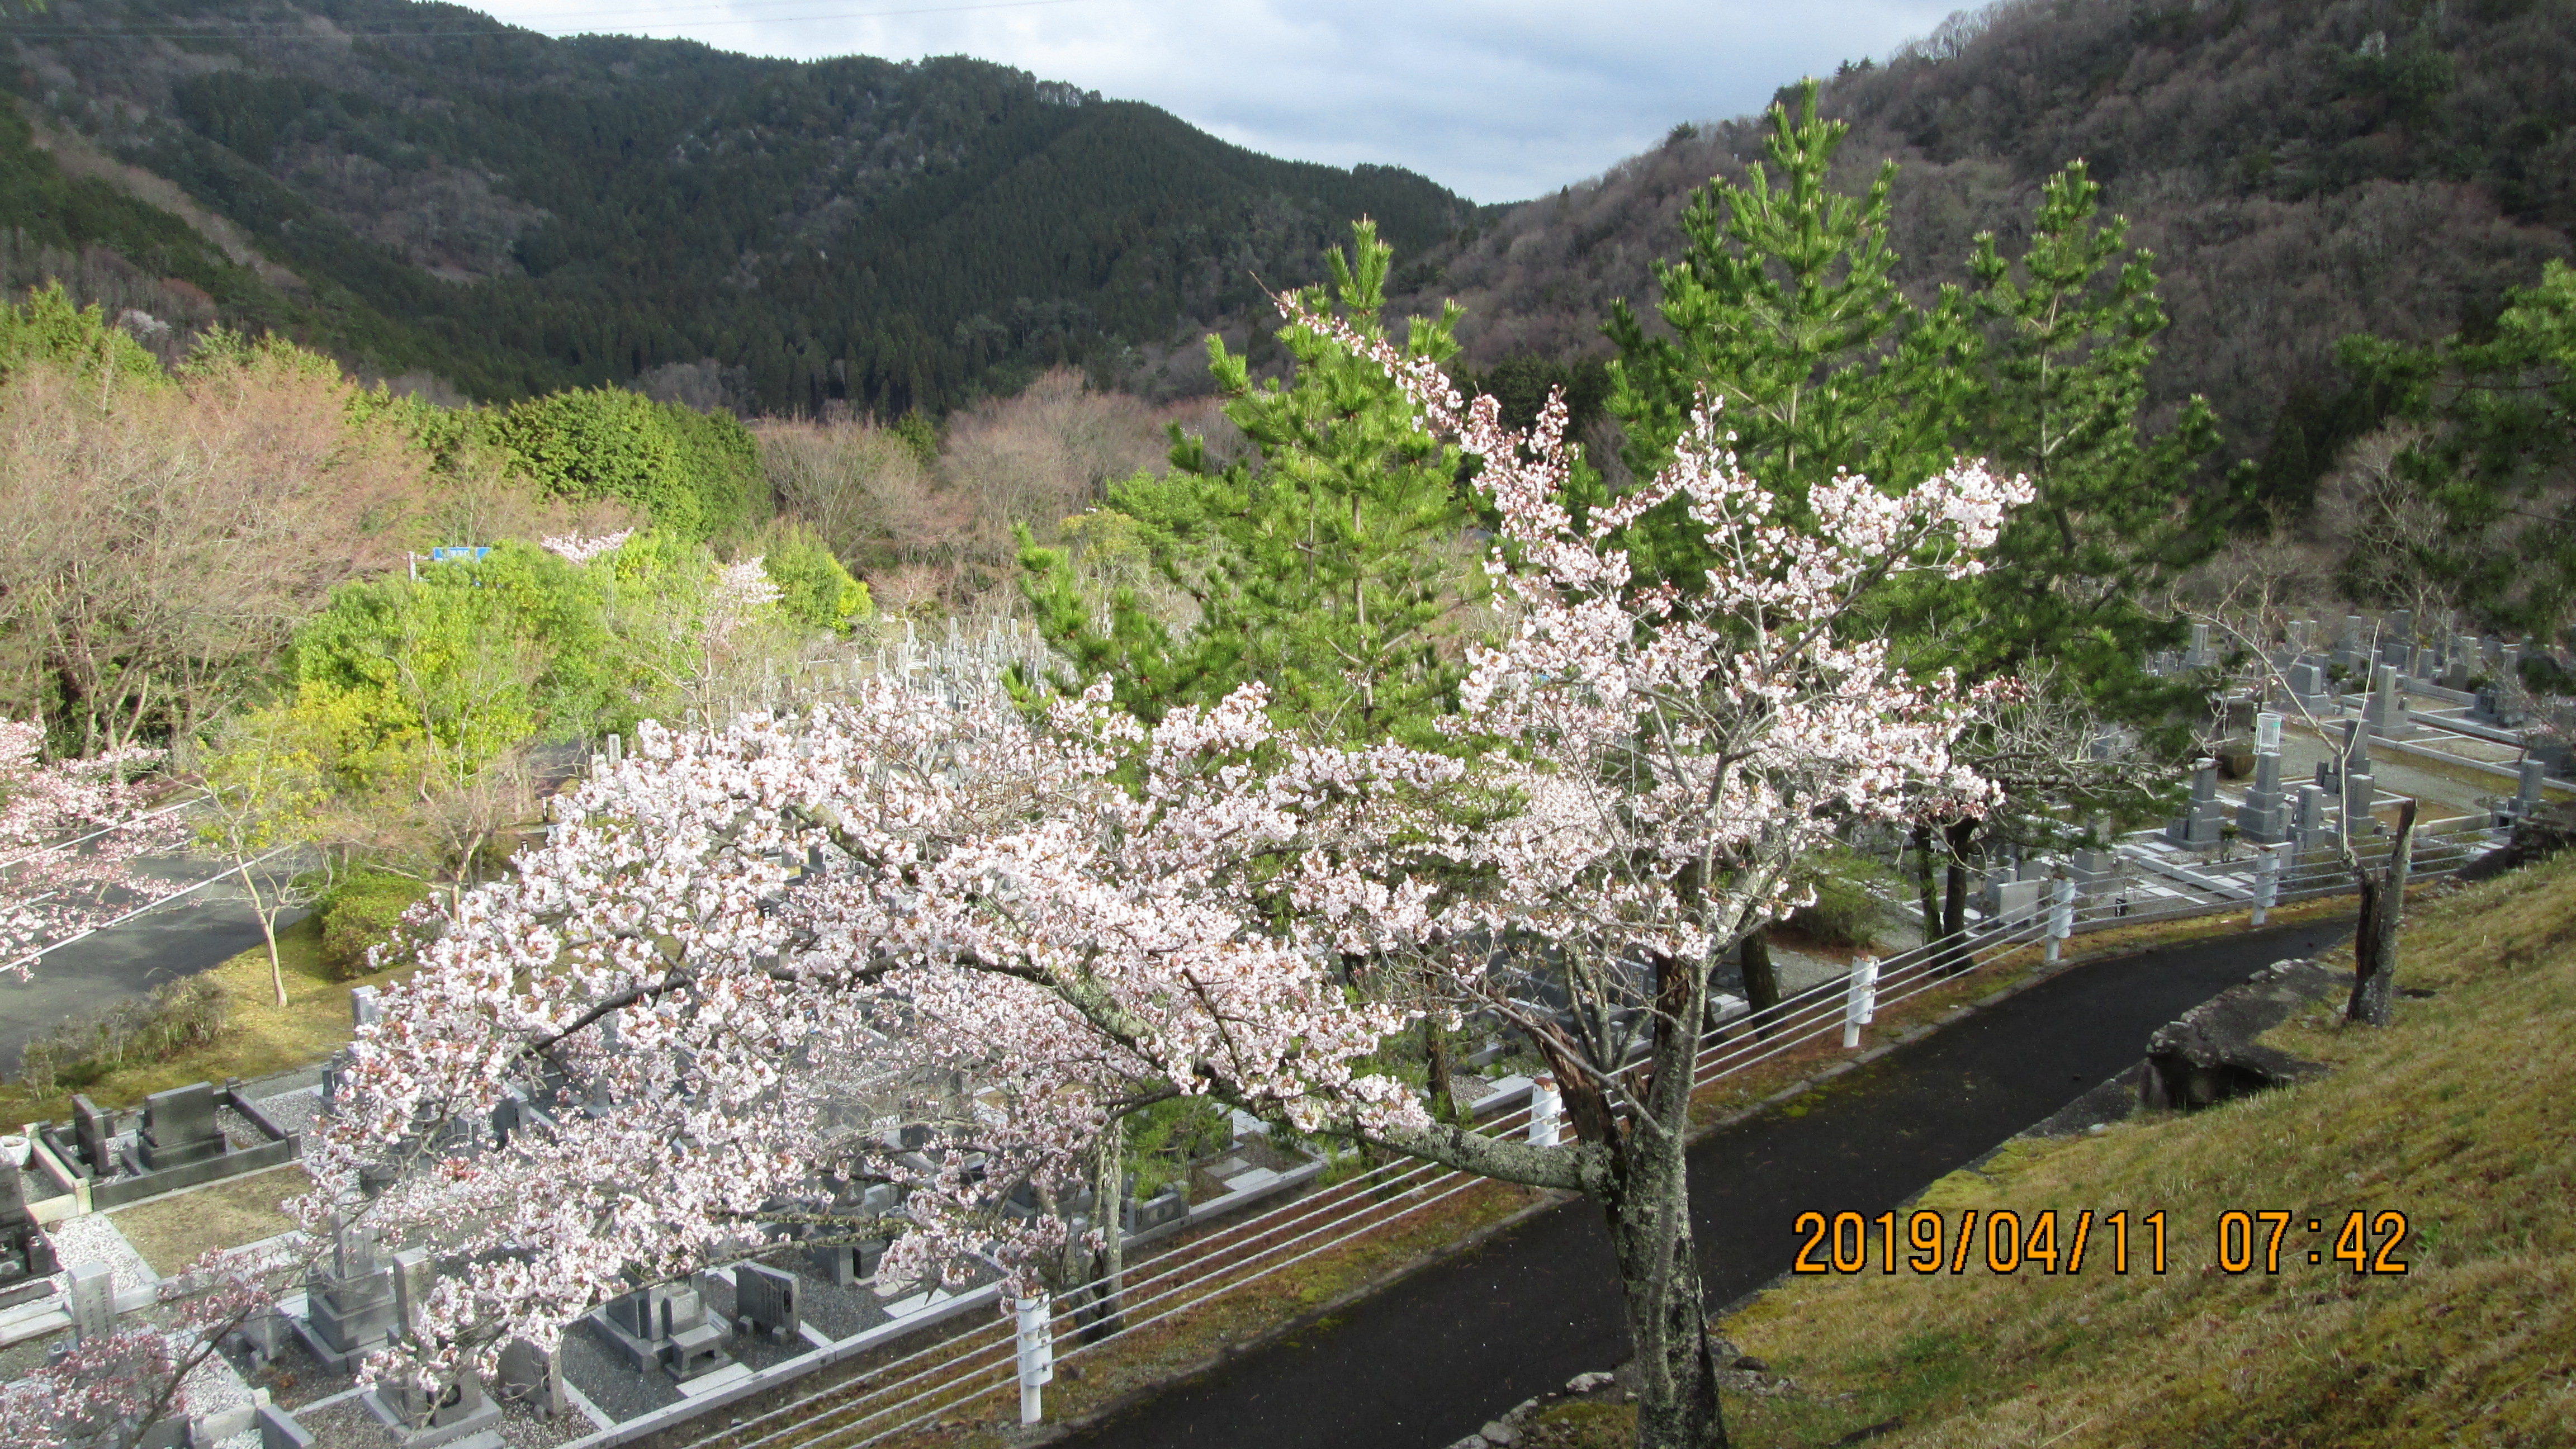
(425, 190)
(2303, 170)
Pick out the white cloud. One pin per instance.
(1500, 100)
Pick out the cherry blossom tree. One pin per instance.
(70, 833)
(738, 952)
(109, 1391)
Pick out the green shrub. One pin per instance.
(814, 589)
(361, 912)
(694, 472)
(1164, 1139)
(189, 1012)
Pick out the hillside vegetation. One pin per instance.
(2302, 171)
(423, 189)
(2462, 1116)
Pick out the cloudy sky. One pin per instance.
(1498, 99)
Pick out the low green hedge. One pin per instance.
(362, 911)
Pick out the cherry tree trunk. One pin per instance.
(1675, 1369)
(2374, 945)
(1646, 1198)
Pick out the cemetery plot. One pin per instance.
(185, 1137)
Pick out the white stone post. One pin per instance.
(92, 1301)
(1546, 1111)
(2061, 913)
(2267, 881)
(1037, 1354)
(1860, 999)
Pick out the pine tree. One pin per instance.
(1327, 565)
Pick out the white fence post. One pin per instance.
(2267, 882)
(1037, 1354)
(2061, 914)
(1545, 1111)
(1860, 1000)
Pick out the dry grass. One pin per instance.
(2460, 1115)
(260, 1037)
(174, 1231)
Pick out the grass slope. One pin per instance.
(2462, 1115)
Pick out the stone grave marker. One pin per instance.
(2385, 708)
(532, 1378)
(766, 1300)
(2264, 817)
(96, 1132)
(349, 1303)
(91, 1301)
(2198, 824)
(179, 1127)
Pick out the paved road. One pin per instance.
(180, 939)
(1426, 1362)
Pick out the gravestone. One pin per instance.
(666, 1324)
(533, 1379)
(2347, 645)
(2385, 708)
(461, 1414)
(366, 1006)
(96, 1132)
(2264, 817)
(2198, 656)
(2427, 665)
(349, 1300)
(2354, 777)
(2308, 686)
(2527, 786)
(26, 1255)
(91, 1301)
(766, 1301)
(2198, 825)
(179, 1127)
(2310, 821)
(2018, 901)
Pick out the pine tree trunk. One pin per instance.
(1761, 980)
(2374, 947)
(1954, 908)
(1927, 891)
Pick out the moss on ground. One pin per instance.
(2462, 1115)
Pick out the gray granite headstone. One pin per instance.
(533, 1379)
(2385, 708)
(2264, 817)
(95, 1131)
(768, 1299)
(2198, 824)
(179, 1127)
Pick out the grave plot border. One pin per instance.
(282, 1147)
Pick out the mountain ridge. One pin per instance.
(515, 213)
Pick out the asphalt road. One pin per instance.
(180, 939)
(1426, 1362)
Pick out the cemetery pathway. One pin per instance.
(1424, 1363)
